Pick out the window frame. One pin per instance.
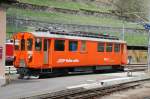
(83, 46)
(108, 46)
(39, 45)
(18, 46)
(117, 45)
(23, 45)
(31, 44)
(76, 46)
(99, 46)
(63, 49)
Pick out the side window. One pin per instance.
(29, 44)
(59, 45)
(100, 47)
(83, 46)
(38, 44)
(117, 48)
(16, 44)
(73, 45)
(22, 44)
(109, 47)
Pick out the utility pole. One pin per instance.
(148, 51)
(147, 27)
(123, 31)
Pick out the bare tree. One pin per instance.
(132, 8)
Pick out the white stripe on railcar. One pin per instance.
(47, 34)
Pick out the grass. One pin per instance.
(136, 39)
(68, 18)
(68, 5)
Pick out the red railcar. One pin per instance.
(51, 52)
(9, 52)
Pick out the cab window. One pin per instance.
(59, 45)
(73, 45)
(100, 47)
(117, 48)
(29, 44)
(109, 47)
(38, 44)
(22, 44)
(16, 44)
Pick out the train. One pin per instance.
(9, 52)
(47, 52)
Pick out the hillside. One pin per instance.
(89, 13)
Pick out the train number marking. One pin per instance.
(67, 60)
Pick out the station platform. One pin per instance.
(23, 88)
(2, 80)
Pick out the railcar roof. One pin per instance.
(50, 35)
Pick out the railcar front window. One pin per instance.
(73, 45)
(38, 44)
(117, 48)
(109, 47)
(22, 44)
(16, 44)
(29, 44)
(100, 47)
(59, 45)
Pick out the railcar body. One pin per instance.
(39, 52)
(9, 52)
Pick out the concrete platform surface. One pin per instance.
(23, 88)
(2, 80)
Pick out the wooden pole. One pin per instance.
(2, 44)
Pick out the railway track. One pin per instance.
(137, 66)
(84, 93)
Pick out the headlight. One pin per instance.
(29, 56)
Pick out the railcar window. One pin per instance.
(59, 45)
(83, 45)
(100, 47)
(38, 44)
(22, 44)
(117, 48)
(73, 45)
(16, 44)
(29, 44)
(109, 47)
